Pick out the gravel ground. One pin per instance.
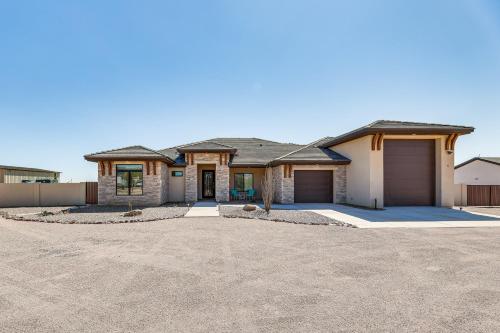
(229, 275)
(95, 214)
(279, 215)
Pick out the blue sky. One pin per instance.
(83, 76)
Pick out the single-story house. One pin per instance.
(15, 174)
(478, 180)
(385, 163)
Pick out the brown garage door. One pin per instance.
(409, 172)
(313, 186)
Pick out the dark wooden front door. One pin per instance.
(409, 172)
(313, 186)
(208, 184)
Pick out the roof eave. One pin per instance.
(397, 131)
(305, 162)
(128, 158)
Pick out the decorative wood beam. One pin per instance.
(103, 168)
(110, 168)
(147, 168)
(220, 158)
(449, 141)
(374, 141)
(454, 141)
(154, 168)
(379, 141)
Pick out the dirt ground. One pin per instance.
(234, 275)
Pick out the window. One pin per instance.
(177, 173)
(243, 181)
(129, 179)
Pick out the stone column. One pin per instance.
(221, 183)
(340, 184)
(191, 178)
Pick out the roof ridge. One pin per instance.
(301, 148)
(199, 142)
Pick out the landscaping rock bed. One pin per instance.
(283, 215)
(94, 214)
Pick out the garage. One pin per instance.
(313, 186)
(409, 172)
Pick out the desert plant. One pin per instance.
(267, 189)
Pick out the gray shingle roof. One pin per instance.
(397, 127)
(132, 152)
(9, 167)
(207, 145)
(493, 160)
(313, 154)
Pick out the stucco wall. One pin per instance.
(365, 174)
(360, 173)
(176, 185)
(29, 195)
(154, 186)
(478, 173)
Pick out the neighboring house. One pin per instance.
(481, 177)
(13, 174)
(384, 163)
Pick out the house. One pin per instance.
(13, 174)
(386, 163)
(479, 181)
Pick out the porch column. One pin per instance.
(222, 182)
(191, 179)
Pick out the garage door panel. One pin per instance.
(313, 186)
(409, 172)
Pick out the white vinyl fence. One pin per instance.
(39, 194)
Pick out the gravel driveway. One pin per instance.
(230, 275)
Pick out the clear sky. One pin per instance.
(83, 76)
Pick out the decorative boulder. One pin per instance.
(249, 208)
(132, 213)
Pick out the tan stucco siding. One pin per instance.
(478, 173)
(359, 172)
(365, 174)
(176, 185)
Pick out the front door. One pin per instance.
(208, 184)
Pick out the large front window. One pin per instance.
(129, 179)
(243, 181)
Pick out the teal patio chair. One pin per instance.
(234, 194)
(251, 194)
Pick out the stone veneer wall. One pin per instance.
(278, 183)
(191, 177)
(221, 177)
(154, 192)
(284, 187)
(340, 182)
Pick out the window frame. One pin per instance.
(173, 174)
(243, 173)
(129, 180)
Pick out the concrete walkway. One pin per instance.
(403, 217)
(203, 209)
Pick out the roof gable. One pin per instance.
(125, 153)
(206, 146)
(492, 160)
(397, 127)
